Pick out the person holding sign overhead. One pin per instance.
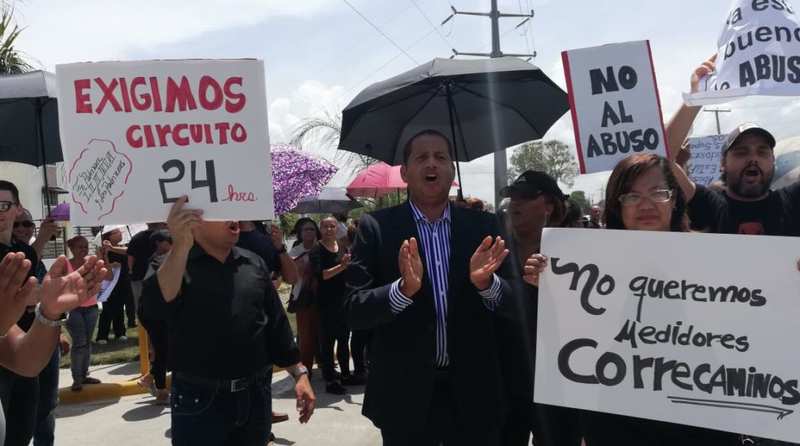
(434, 366)
(642, 195)
(227, 327)
(746, 205)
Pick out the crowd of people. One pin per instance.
(433, 302)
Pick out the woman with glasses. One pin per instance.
(643, 195)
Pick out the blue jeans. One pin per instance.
(80, 326)
(208, 415)
(44, 435)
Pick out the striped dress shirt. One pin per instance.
(435, 246)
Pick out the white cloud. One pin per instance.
(59, 32)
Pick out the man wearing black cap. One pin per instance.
(746, 205)
(536, 202)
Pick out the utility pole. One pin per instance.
(716, 112)
(500, 164)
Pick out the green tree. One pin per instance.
(579, 197)
(323, 132)
(11, 60)
(553, 157)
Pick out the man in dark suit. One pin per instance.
(434, 370)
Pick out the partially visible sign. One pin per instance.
(614, 103)
(138, 135)
(758, 54)
(675, 327)
(706, 155)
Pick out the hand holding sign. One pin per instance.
(534, 266)
(410, 264)
(705, 69)
(486, 260)
(181, 222)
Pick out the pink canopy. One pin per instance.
(378, 180)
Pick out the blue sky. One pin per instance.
(320, 53)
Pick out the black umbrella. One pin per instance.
(331, 200)
(29, 120)
(483, 105)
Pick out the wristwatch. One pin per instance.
(42, 319)
(297, 371)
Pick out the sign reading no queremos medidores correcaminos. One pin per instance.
(614, 103)
(696, 329)
(138, 135)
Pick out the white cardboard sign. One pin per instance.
(138, 135)
(706, 156)
(614, 104)
(758, 53)
(686, 328)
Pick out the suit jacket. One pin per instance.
(402, 370)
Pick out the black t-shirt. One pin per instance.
(26, 320)
(227, 321)
(141, 249)
(261, 245)
(330, 293)
(716, 212)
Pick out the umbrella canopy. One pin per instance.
(378, 180)
(29, 119)
(331, 200)
(296, 175)
(482, 105)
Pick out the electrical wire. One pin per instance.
(386, 36)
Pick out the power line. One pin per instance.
(386, 64)
(381, 32)
(435, 28)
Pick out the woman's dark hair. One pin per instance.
(298, 229)
(572, 215)
(621, 181)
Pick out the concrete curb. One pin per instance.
(103, 391)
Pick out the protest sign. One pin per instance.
(685, 328)
(614, 104)
(138, 135)
(758, 54)
(706, 154)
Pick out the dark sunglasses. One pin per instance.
(26, 224)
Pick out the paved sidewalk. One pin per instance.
(134, 420)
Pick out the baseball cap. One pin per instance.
(747, 128)
(534, 182)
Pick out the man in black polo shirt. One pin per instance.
(227, 328)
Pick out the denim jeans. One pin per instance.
(44, 435)
(80, 326)
(208, 415)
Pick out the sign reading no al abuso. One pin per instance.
(614, 104)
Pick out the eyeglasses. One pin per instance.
(26, 224)
(656, 196)
(6, 205)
